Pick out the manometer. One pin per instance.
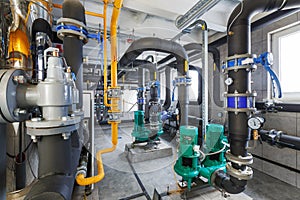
(255, 123)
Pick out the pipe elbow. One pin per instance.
(228, 183)
(82, 181)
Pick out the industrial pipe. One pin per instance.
(81, 180)
(58, 156)
(167, 102)
(3, 128)
(156, 44)
(141, 84)
(59, 6)
(239, 43)
(279, 138)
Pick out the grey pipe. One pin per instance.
(151, 68)
(156, 44)
(3, 161)
(59, 157)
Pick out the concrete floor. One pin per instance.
(120, 182)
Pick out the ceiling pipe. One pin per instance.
(239, 46)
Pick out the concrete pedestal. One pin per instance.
(139, 153)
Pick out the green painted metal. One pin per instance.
(188, 165)
(140, 132)
(214, 142)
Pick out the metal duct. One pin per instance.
(195, 12)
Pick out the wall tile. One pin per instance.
(280, 173)
(298, 180)
(284, 121)
(257, 164)
(284, 156)
(257, 36)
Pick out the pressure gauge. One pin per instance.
(255, 123)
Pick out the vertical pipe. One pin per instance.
(141, 83)
(73, 45)
(204, 79)
(3, 161)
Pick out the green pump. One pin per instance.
(193, 162)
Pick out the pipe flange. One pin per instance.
(214, 176)
(52, 131)
(65, 32)
(52, 127)
(239, 56)
(236, 68)
(247, 160)
(248, 94)
(114, 117)
(245, 174)
(9, 81)
(71, 21)
(72, 27)
(114, 92)
(239, 110)
(183, 81)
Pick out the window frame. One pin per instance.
(274, 47)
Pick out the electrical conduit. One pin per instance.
(81, 180)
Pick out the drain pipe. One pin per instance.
(114, 94)
(156, 44)
(239, 91)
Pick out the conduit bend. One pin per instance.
(239, 43)
(156, 44)
(81, 180)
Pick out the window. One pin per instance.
(286, 48)
(193, 93)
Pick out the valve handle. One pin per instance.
(266, 60)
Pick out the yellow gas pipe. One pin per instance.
(81, 180)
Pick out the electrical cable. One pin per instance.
(14, 156)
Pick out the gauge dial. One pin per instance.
(255, 123)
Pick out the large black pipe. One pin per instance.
(167, 102)
(73, 9)
(156, 44)
(281, 139)
(239, 42)
(265, 21)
